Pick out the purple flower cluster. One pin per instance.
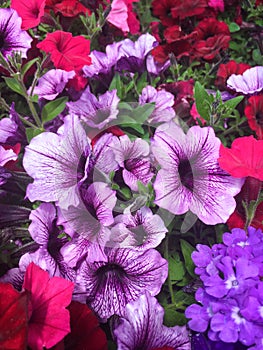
(231, 298)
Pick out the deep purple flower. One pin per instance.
(142, 328)
(200, 342)
(164, 102)
(52, 83)
(13, 39)
(190, 177)
(248, 83)
(133, 158)
(12, 130)
(57, 163)
(96, 113)
(127, 274)
(141, 230)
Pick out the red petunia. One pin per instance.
(13, 318)
(30, 11)
(225, 70)
(70, 8)
(254, 113)
(123, 17)
(163, 10)
(49, 321)
(188, 8)
(245, 158)
(67, 52)
(212, 37)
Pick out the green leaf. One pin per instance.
(233, 27)
(202, 100)
(172, 317)
(14, 85)
(53, 108)
(133, 125)
(176, 268)
(187, 251)
(116, 83)
(30, 133)
(233, 102)
(28, 65)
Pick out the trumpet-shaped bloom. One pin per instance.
(248, 83)
(190, 177)
(142, 328)
(30, 11)
(124, 276)
(12, 38)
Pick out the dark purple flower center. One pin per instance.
(111, 269)
(2, 41)
(186, 174)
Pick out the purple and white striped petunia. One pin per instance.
(142, 328)
(190, 177)
(127, 274)
(12, 130)
(94, 213)
(142, 230)
(248, 83)
(133, 158)
(164, 102)
(51, 84)
(57, 163)
(96, 113)
(13, 39)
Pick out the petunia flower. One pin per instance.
(140, 230)
(57, 164)
(96, 113)
(142, 327)
(248, 83)
(164, 102)
(122, 17)
(48, 298)
(30, 11)
(52, 83)
(13, 318)
(244, 158)
(12, 130)
(109, 285)
(70, 8)
(13, 39)
(226, 70)
(67, 52)
(190, 177)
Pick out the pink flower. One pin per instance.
(30, 11)
(216, 4)
(122, 17)
(49, 321)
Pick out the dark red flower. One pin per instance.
(244, 158)
(227, 69)
(70, 8)
(254, 113)
(30, 11)
(67, 52)
(212, 37)
(188, 8)
(13, 318)
(163, 10)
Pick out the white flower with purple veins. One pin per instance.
(51, 84)
(142, 328)
(96, 112)
(133, 158)
(248, 83)
(124, 276)
(57, 163)
(190, 178)
(164, 102)
(141, 230)
(12, 38)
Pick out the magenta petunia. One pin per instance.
(190, 177)
(248, 83)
